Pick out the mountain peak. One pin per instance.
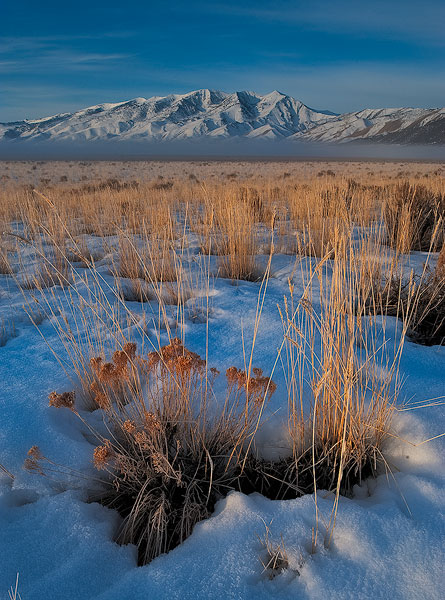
(209, 113)
(276, 94)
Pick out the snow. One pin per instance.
(213, 113)
(388, 540)
(197, 113)
(368, 124)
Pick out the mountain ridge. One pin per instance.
(208, 113)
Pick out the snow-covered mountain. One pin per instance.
(214, 114)
(388, 125)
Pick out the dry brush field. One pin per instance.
(221, 328)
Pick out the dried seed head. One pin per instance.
(142, 438)
(65, 400)
(32, 465)
(107, 373)
(272, 386)
(153, 360)
(112, 374)
(96, 364)
(130, 350)
(151, 422)
(120, 360)
(129, 426)
(232, 375)
(177, 360)
(102, 400)
(257, 387)
(35, 453)
(102, 455)
(158, 461)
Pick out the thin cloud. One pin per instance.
(60, 59)
(10, 43)
(385, 18)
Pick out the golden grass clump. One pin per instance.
(155, 262)
(420, 301)
(413, 213)
(236, 238)
(342, 384)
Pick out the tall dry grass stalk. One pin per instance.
(13, 592)
(5, 471)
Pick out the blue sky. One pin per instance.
(341, 56)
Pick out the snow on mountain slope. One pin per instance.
(199, 113)
(216, 114)
(390, 125)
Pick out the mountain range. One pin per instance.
(215, 114)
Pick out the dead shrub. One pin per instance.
(110, 184)
(163, 185)
(172, 452)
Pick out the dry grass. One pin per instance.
(7, 331)
(227, 224)
(153, 261)
(175, 446)
(5, 265)
(5, 471)
(420, 301)
(13, 592)
(273, 557)
(337, 356)
(342, 379)
(413, 213)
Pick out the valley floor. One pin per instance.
(388, 537)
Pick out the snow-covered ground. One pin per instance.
(388, 540)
